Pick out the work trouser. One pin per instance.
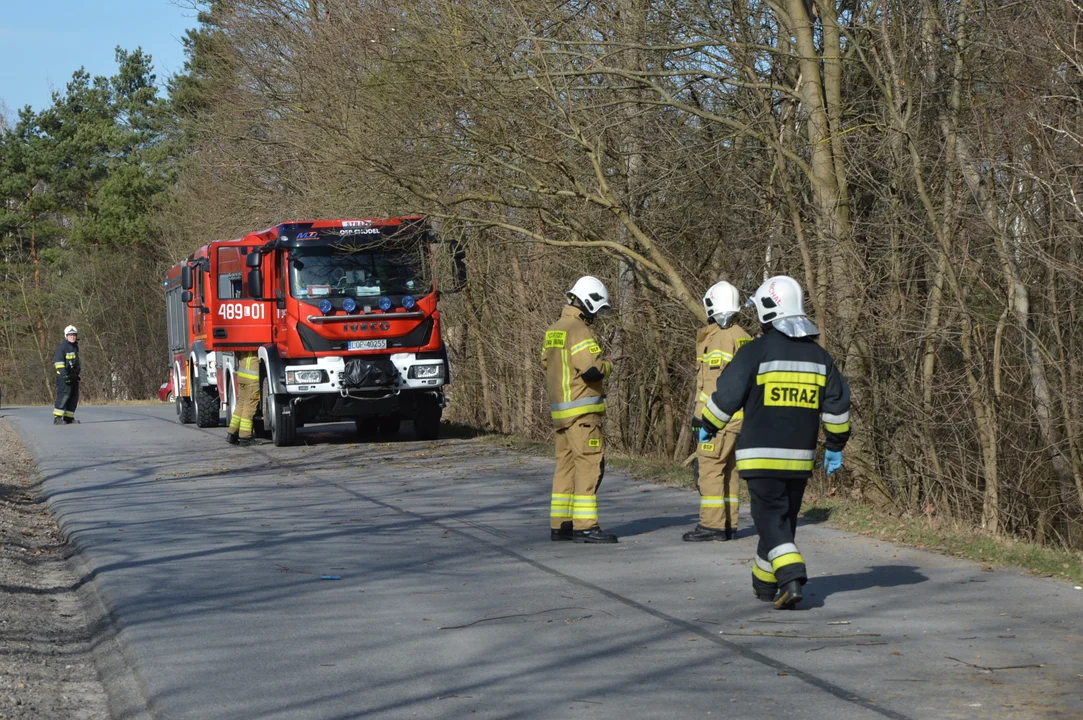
(717, 480)
(67, 399)
(247, 396)
(579, 471)
(775, 504)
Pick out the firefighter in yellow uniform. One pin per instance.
(575, 373)
(240, 425)
(716, 468)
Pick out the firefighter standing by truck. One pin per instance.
(240, 425)
(66, 364)
(575, 373)
(787, 385)
(716, 469)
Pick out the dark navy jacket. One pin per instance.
(787, 387)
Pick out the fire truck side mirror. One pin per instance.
(252, 259)
(255, 283)
(453, 251)
(186, 297)
(186, 279)
(459, 256)
(458, 265)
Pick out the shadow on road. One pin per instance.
(815, 515)
(643, 526)
(883, 576)
(346, 434)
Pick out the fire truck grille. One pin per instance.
(362, 373)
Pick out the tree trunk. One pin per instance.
(474, 328)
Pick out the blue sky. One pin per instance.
(42, 42)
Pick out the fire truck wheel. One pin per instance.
(283, 429)
(184, 410)
(388, 427)
(366, 427)
(427, 420)
(208, 406)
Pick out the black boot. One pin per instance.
(594, 535)
(244, 442)
(231, 438)
(789, 594)
(57, 420)
(706, 534)
(763, 590)
(563, 533)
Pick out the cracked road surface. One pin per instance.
(345, 579)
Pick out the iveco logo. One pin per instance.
(366, 327)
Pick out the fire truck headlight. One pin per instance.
(425, 371)
(325, 306)
(349, 305)
(296, 377)
(385, 303)
(408, 302)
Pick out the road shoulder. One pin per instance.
(56, 642)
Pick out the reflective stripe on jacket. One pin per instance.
(570, 350)
(248, 366)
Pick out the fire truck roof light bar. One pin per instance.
(364, 316)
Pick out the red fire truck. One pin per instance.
(343, 314)
(205, 328)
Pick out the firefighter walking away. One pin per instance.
(240, 425)
(715, 469)
(66, 364)
(575, 375)
(787, 385)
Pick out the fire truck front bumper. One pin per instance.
(391, 374)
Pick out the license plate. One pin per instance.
(367, 345)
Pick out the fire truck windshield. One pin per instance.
(328, 271)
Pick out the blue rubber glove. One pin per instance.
(705, 434)
(832, 460)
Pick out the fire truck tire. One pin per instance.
(184, 410)
(427, 420)
(283, 429)
(208, 406)
(388, 427)
(366, 427)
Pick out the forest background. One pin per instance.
(915, 164)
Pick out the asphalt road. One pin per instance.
(450, 601)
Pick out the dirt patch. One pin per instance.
(47, 670)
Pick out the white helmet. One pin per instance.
(591, 294)
(721, 302)
(779, 301)
(71, 330)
